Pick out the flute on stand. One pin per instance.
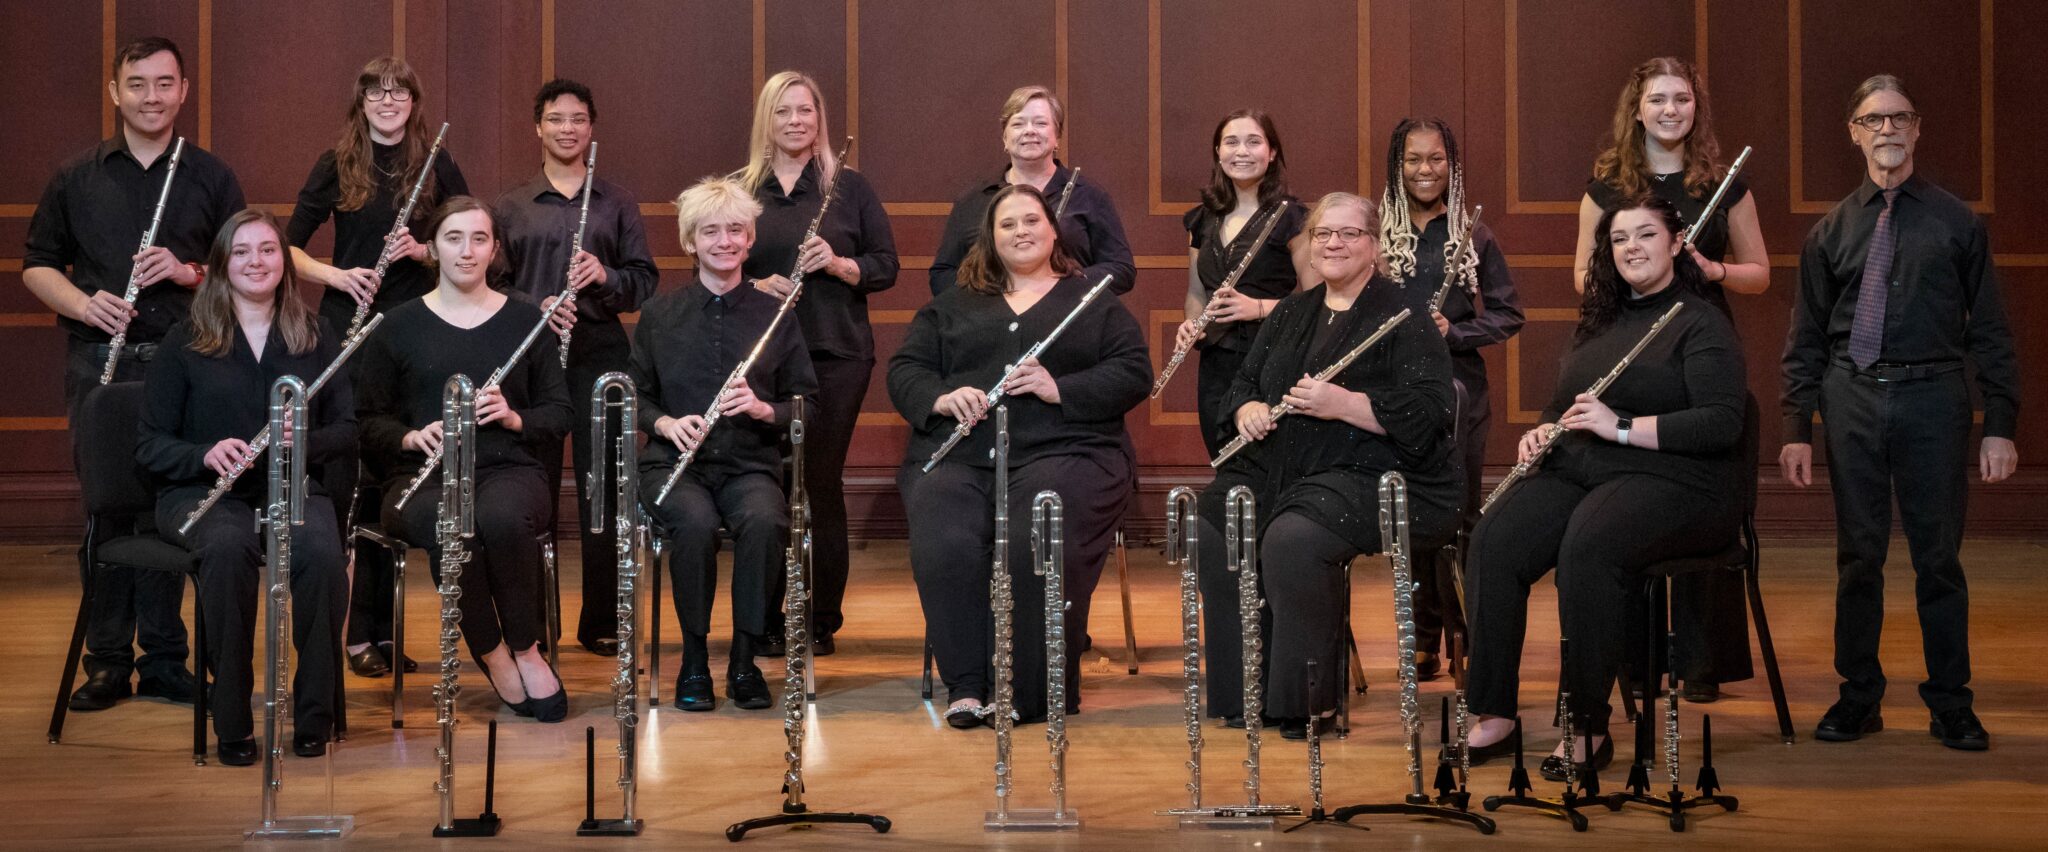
(576, 248)
(453, 527)
(1566, 806)
(617, 453)
(134, 290)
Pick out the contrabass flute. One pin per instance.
(454, 526)
(1457, 258)
(796, 289)
(1714, 202)
(263, 438)
(1048, 560)
(1180, 351)
(576, 247)
(995, 392)
(613, 394)
(1525, 467)
(148, 239)
(1328, 373)
(404, 218)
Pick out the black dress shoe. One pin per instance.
(309, 745)
(1553, 765)
(100, 692)
(772, 645)
(747, 689)
(176, 686)
(606, 647)
(1427, 664)
(1297, 729)
(1501, 748)
(1701, 692)
(369, 662)
(553, 708)
(390, 653)
(1848, 721)
(1959, 729)
(693, 692)
(823, 646)
(238, 752)
(1234, 721)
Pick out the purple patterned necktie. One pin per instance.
(1866, 336)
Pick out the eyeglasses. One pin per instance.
(400, 94)
(1874, 122)
(1341, 235)
(567, 120)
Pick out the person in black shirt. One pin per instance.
(90, 219)
(1033, 120)
(361, 183)
(1425, 206)
(1663, 144)
(1645, 473)
(463, 326)
(1246, 187)
(852, 255)
(1315, 473)
(207, 393)
(1066, 417)
(686, 345)
(613, 275)
(1895, 292)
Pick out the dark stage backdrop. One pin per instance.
(1527, 85)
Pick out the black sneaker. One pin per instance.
(1959, 729)
(1848, 721)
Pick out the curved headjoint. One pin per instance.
(287, 456)
(458, 452)
(1047, 541)
(1240, 529)
(612, 392)
(1180, 524)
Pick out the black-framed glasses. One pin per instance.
(1341, 235)
(400, 94)
(1874, 121)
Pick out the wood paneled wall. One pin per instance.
(1529, 87)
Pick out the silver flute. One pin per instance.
(1066, 192)
(613, 393)
(576, 248)
(996, 392)
(1327, 373)
(455, 525)
(404, 218)
(1459, 257)
(148, 239)
(1048, 559)
(286, 509)
(1394, 537)
(1555, 433)
(1180, 350)
(262, 440)
(1001, 605)
(1181, 549)
(796, 289)
(1568, 740)
(433, 460)
(1241, 548)
(1707, 212)
(796, 615)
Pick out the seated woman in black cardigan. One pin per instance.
(1639, 472)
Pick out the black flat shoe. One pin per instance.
(606, 647)
(518, 708)
(1297, 729)
(1504, 747)
(309, 745)
(100, 691)
(748, 690)
(176, 686)
(390, 653)
(1699, 692)
(369, 662)
(1553, 765)
(553, 708)
(693, 693)
(823, 646)
(1959, 729)
(1848, 721)
(238, 752)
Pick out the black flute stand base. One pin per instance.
(1566, 808)
(1675, 803)
(803, 815)
(486, 824)
(591, 826)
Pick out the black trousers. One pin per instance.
(1433, 570)
(1213, 374)
(231, 554)
(952, 535)
(596, 349)
(829, 420)
(501, 582)
(1600, 536)
(1908, 441)
(128, 607)
(1301, 573)
(370, 586)
(751, 507)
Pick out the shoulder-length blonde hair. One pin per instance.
(1624, 166)
(1366, 206)
(761, 155)
(982, 269)
(213, 309)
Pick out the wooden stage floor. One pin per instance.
(123, 778)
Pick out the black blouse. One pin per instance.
(359, 233)
(832, 313)
(1271, 275)
(1471, 329)
(1713, 241)
(192, 402)
(686, 343)
(1329, 470)
(1690, 378)
(965, 338)
(1089, 229)
(404, 366)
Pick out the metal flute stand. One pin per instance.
(285, 510)
(1567, 805)
(796, 643)
(1519, 788)
(1673, 803)
(1394, 538)
(1316, 814)
(1048, 543)
(457, 523)
(621, 450)
(1241, 554)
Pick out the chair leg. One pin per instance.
(1123, 579)
(203, 668)
(925, 689)
(341, 691)
(654, 606)
(552, 583)
(70, 679)
(1763, 636)
(397, 637)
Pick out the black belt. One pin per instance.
(134, 351)
(1901, 372)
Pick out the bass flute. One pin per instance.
(576, 246)
(1328, 373)
(404, 217)
(1180, 351)
(148, 239)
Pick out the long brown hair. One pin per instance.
(982, 270)
(354, 159)
(213, 309)
(1221, 193)
(1623, 165)
(1606, 290)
